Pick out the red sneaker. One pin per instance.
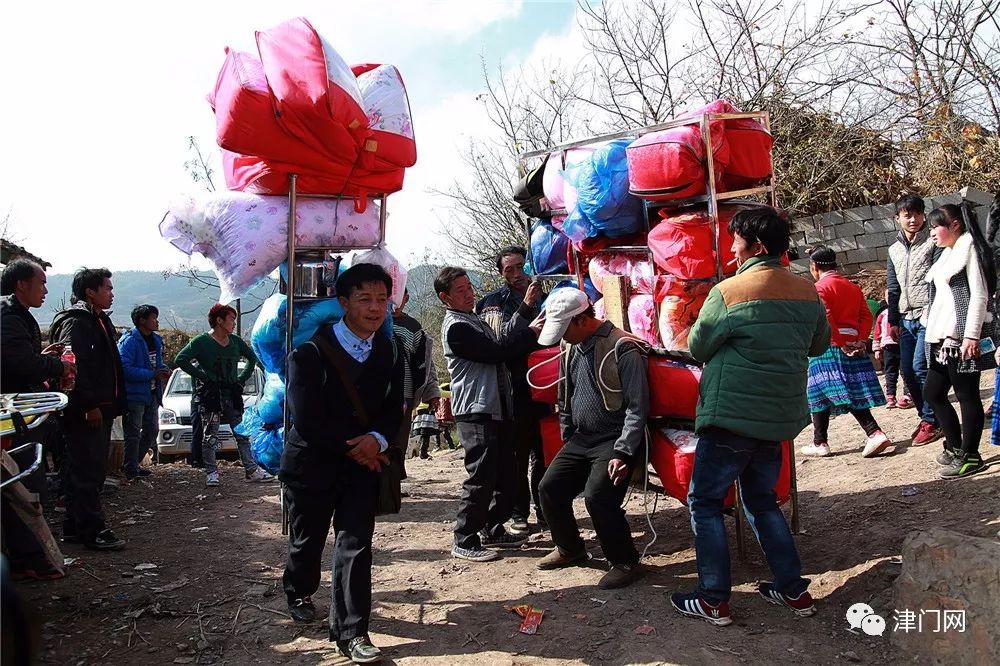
(694, 606)
(801, 605)
(905, 402)
(925, 434)
(890, 402)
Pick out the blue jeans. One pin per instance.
(721, 458)
(141, 425)
(913, 365)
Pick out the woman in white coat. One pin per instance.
(962, 283)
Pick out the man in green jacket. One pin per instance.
(754, 336)
(213, 359)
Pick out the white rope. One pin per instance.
(527, 375)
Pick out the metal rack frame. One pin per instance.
(291, 299)
(14, 407)
(711, 199)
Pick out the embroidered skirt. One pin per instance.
(841, 383)
(995, 438)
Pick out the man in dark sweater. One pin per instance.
(97, 397)
(345, 393)
(497, 309)
(24, 368)
(483, 407)
(603, 424)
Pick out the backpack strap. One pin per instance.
(326, 350)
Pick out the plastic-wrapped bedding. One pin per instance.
(680, 302)
(245, 235)
(682, 244)
(638, 270)
(548, 250)
(642, 318)
(604, 205)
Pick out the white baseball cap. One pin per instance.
(560, 307)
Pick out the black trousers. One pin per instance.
(530, 466)
(87, 449)
(821, 424)
(351, 506)
(488, 492)
(961, 436)
(197, 433)
(577, 469)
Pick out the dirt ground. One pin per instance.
(214, 596)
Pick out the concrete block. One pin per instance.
(849, 229)
(879, 226)
(873, 266)
(842, 244)
(947, 571)
(848, 269)
(859, 214)
(819, 235)
(884, 212)
(862, 255)
(831, 219)
(977, 197)
(799, 266)
(883, 252)
(944, 199)
(890, 238)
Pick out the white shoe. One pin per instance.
(212, 479)
(876, 444)
(816, 450)
(260, 476)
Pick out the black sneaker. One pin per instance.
(505, 540)
(519, 526)
(144, 472)
(475, 554)
(360, 650)
(946, 457)
(106, 540)
(964, 465)
(302, 610)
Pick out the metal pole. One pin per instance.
(741, 539)
(239, 319)
(289, 321)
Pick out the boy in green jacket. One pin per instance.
(754, 335)
(220, 389)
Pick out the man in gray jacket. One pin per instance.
(910, 257)
(482, 401)
(603, 406)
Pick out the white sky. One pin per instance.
(100, 97)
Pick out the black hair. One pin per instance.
(823, 257)
(144, 311)
(762, 224)
(588, 313)
(966, 218)
(993, 219)
(911, 203)
(88, 278)
(361, 274)
(508, 251)
(16, 271)
(446, 277)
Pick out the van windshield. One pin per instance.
(181, 384)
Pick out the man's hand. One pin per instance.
(93, 418)
(894, 333)
(617, 471)
(970, 349)
(878, 355)
(534, 294)
(69, 369)
(364, 450)
(55, 349)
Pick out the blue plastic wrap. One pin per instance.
(588, 288)
(604, 204)
(250, 424)
(548, 250)
(266, 448)
(268, 335)
(272, 402)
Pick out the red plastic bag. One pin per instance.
(672, 455)
(551, 437)
(682, 243)
(680, 302)
(673, 388)
(543, 371)
(667, 165)
(750, 154)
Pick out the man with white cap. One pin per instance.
(603, 406)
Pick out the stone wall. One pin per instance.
(861, 236)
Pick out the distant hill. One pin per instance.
(183, 304)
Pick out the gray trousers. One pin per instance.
(231, 415)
